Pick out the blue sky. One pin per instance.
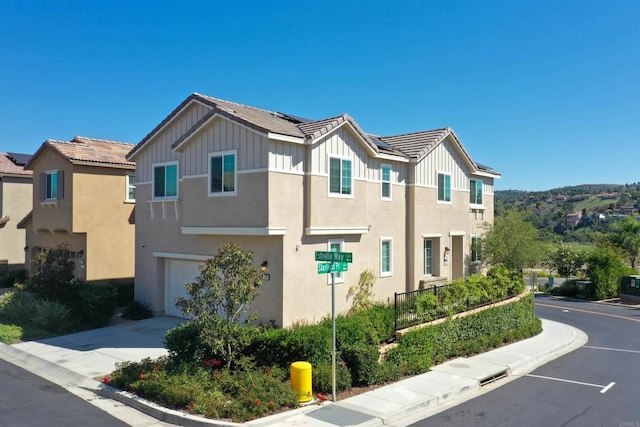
(546, 92)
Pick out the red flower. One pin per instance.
(191, 406)
(156, 368)
(257, 402)
(270, 404)
(141, 375)
(106, 380)
(320, 397)
(217, 362)
(267, 370)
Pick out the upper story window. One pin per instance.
(475, 187)
(52, 185)
(222, 173)
(131, 188)
(444, 187)
(385, 179)
(386, 257)
(340, 179)
(165, 181)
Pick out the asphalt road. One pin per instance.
(28, 400)
(595, 385)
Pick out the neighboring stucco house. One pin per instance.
(15, 203)
(84, 197)
(408, 207)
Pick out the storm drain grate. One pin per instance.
(494, 377)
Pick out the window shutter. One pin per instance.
(43, 185)
(60, 184)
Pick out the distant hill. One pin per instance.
(573, 210)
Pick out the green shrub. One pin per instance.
(606, 269)
(184, 344)
(51, 316)
(10, 334)
(362, 361)
(567, 289)
(388, 372)
(321, 377)
(310, 343)
(268, 348)
(125, 294)
(10, 278)
(136, 310)
(97, 305)
(381, 318)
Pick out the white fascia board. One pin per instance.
(328, 231)
(190, 257)
(486, 175)
(235, 231)
(392, 158)
(285, 138)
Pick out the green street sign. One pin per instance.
(332, 267)
(334, 256)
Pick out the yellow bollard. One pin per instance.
(301, 380)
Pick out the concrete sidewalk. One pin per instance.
(73, 361)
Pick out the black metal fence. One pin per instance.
(408, 313)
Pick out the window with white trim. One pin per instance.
(428, 257)
(336, 246)
(444, 187)
(476, 249)
(385, 179)
(222, 174)
(475, 192)
(386, 257)
(165, 181)
(340, 178)
(131, 188)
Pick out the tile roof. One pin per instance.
(100, 152)
(416, 144)
(11, 166)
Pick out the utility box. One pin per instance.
(583, 287)
(630, 289)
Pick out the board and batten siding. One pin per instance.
(286, 157)
(446, 159)
(159, 150)
(219, 136)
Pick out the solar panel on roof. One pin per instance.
(295, 118)
(19, 159)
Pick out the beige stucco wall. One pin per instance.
(16, 199)
(92, 216)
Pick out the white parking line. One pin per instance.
(612, 349)
(603, 388)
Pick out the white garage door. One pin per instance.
(179, 273)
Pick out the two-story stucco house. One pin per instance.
(84, 197)
(407, 207)
(15, 203)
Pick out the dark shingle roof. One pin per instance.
(100, 152)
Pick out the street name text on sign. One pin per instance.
(332, 267)
(334, 256)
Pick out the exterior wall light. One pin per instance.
(446, 254)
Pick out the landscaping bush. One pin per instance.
(606, 269)
(137, 310)
(310, 343)
(321, 377)
(97, 305)
(567, 289)
(10, 278)
(39, 317)
(125, 294)
(362, 361)
(10, 334)
(184, 344)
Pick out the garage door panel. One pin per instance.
(179, 273)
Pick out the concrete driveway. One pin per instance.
(95, 353)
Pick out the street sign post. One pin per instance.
(333, 262)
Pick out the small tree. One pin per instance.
(606, 269)
(511, 241)
(53, 276)
(219, 300)
(566, 260)
(626, 235)
(362, 293)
